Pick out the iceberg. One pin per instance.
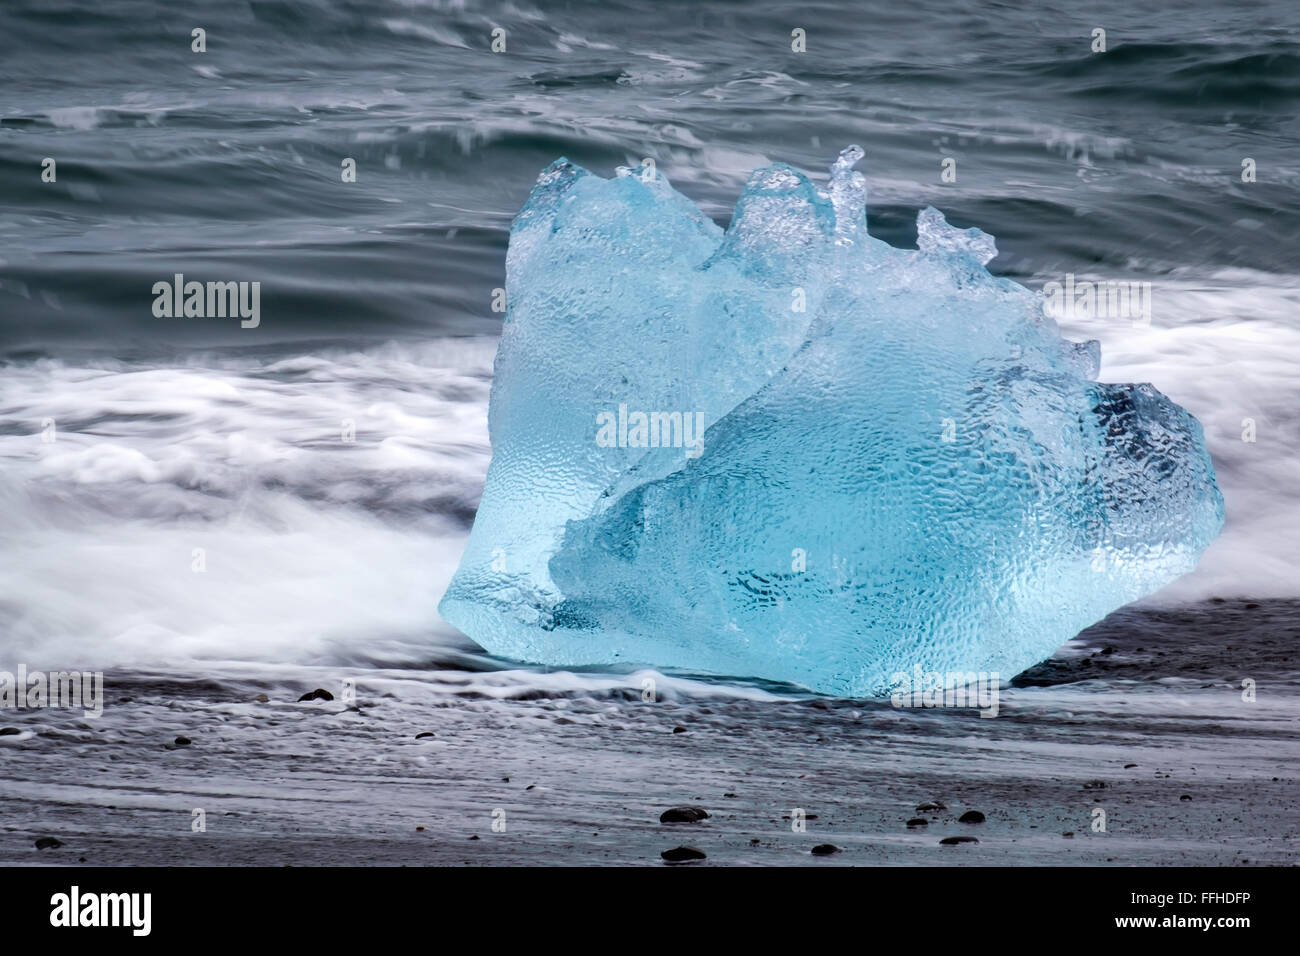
(790, 451)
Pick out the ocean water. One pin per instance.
(184, 440)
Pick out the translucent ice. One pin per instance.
(791, 451)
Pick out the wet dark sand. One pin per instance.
(1142, 716)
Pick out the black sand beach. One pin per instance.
(1142, 716)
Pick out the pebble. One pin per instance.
(683, 854)
(825, 849)
(320, 693)
(683, 815)
(971, 816)
(48, 843)
(954, 840)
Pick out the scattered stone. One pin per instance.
(971, 816)
(9, 731)
(683, 815)
(1251, 606)
(821, 705)
(320, 693)
(530, 786)
(48, 843)
(505, 779)
(927, 807)
(1186, 796)
(474, 837)
(1068, 834)
(728, 794)
(825, 849)
(683, 854)
(429, 733)
(419, 829)
(1107, 650)
(183, 741)
(917, 822)
(262, 699)
(679, 730)
(954, 840)
(1129, 766)
(1095, 785)
(755, 841)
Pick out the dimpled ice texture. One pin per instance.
(905, 465)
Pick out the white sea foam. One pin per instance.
(313, 548)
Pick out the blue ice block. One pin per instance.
(791, 451)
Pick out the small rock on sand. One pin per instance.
(928, 807)
(183, 741)
(825, 849)
(9, 731)
(683, 815)
(48, 843)
(954, 840)
(320, 693)
(683, 854)
(422, 735)
(971, 816)
(917, 822)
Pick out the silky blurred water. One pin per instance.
(171, 435)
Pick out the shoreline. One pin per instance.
(1160, 739)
